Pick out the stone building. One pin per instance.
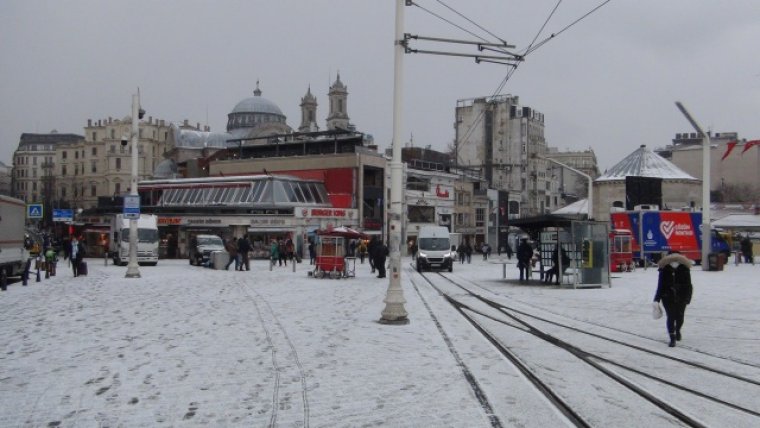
(734, 162)
(6, 173)
(505, 142)
(571, 185)
(33, 166)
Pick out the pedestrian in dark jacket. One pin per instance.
(243, 247)
(461, 253)
(746, 247)
(524, 256)
(468, 251)
(674, 289)
(372, 250)
(77, 255)
(381, 252)
(312, 252)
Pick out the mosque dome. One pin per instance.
(254, 113)
(167, 168)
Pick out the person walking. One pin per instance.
(468, 251)
(509, 251)
(312, 252)
(524, 256)
(461, 253)
(243, 247)
(282, 252)
(381, 252)
(746, 247)
(674, 289)
(372, 249)
(362, 250)
(231, 247)
(77, 255)
(274, 252)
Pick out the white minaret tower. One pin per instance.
(338, 117)
(308, 113)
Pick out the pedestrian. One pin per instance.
(282, 252)
(352, 248)
(674, 289)
(274, 252)
(290, 250)
(746, 247)
(362, 250)
(231, 247)
(509, 251)
(312, 252)
(372, 249)
(381, 252)
(461, 253)
(243, 247)
(468, 251)
(524, 256)
(77, 255)
(554, 271)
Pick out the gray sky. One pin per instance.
(609, 82)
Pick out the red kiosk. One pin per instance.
(621, 255)
(331, 252)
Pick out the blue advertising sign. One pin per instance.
(131, 206)
(64, 215)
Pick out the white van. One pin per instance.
(434, 249)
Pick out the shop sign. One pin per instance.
(271, 221)
(199, 221)
(169, 221)
(343, 213)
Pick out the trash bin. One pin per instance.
(219, 259)
(714, 262)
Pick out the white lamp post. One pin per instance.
(706, 230)
(133, 269)
(394, 312)
(590, 199)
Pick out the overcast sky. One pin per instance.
(609, 82)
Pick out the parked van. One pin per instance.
(434, 249)
(147, 239)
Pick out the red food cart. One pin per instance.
(331, 252)
(621, 256)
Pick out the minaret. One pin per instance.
(308, 113)
(338, 117)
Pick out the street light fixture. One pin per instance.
(133, 269)
(706, 230)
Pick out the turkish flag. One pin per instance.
(729, 146)
(749, 144)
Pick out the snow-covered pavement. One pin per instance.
(189, 346)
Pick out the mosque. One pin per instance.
(253, 118)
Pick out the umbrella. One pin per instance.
(343, 231)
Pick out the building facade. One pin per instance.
(6, 177)
(505, 142)
(571, 185)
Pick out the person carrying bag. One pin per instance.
(674, 289)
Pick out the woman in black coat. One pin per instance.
(674, 289)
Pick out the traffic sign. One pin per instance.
(131, 206)
(34, 211)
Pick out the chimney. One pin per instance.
(89, 123)
(197, 126)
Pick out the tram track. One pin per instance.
(476, 309)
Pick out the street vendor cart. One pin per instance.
(332, 259)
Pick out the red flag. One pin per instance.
(749, 144)
(729, 146)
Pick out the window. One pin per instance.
(63, 192)
(111, 149)
(480, 217)
(34, 160)
(118, 164)
(94, 166)
(117, 188)
(421, 214)
(34, 173)
(418, 183)
(76, 154)
(63, 154)
(63, 169)
(94, 136)
(113, 134)
(94, 151)
(34, 186)
(93, 190)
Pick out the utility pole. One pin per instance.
(706, 230)
(394, 312)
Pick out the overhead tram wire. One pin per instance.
(471, 21)
(543, 42)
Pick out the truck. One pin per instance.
(655, 233)
(434, 249)
(13, 254)
(147, 239)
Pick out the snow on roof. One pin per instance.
(645, 163)
(576, 208)
(739, 221)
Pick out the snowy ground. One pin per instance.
(189, 346)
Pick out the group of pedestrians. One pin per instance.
(464, 251)
(239, 250)
(280, 251)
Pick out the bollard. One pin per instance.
(38, 273)
(47, 270)
(271, 264)
(105, 258)
(737, 258)
(293, 262)
(3, 280)
(25, 275)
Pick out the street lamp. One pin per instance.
(394, 312)
(590, 199)
(706, 230)
(133, 270)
